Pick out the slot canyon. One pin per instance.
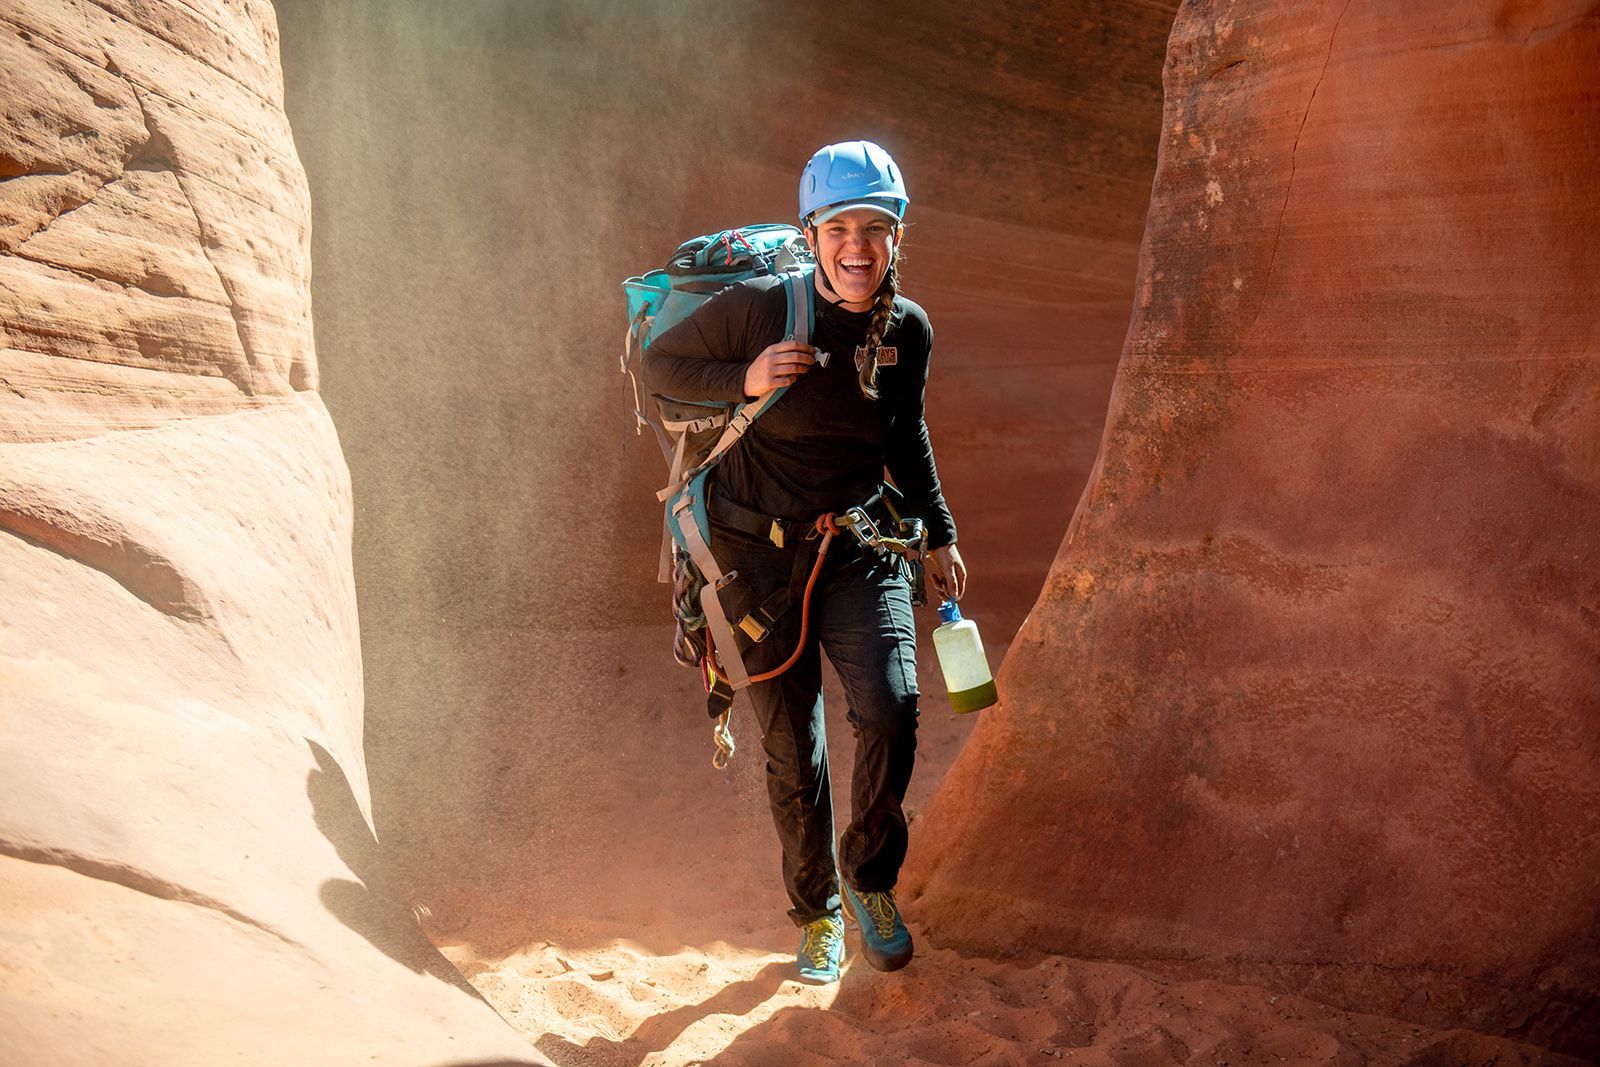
(1265, 397)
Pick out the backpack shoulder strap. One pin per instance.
(799, 315)
(799, 318)
(802, 311)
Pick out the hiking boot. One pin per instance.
(821, 952)
(885, 941)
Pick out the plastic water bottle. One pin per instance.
(960, 650)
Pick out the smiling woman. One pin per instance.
(856, 243)
(852, 201)
(819, 450)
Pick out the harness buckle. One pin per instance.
(862, 526)
(775, 533)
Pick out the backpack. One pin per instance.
(702, 267)
(694, 435)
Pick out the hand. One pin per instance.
(777, 365)
(946, 571)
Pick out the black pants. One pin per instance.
(861, 617)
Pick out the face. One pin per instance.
(856, 247)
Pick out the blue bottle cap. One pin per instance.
(949, 611)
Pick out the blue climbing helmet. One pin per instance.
(848, 175)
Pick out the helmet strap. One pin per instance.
(827, 282)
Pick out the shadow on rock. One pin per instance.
(372, 907)
(736, 999)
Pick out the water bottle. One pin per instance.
(960, 650)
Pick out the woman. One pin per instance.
(822, 448)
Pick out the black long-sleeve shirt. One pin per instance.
(823, 446)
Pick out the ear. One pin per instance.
(894, 244)
(811, 238)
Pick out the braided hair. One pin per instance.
(879, 325)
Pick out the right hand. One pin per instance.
(778, 365)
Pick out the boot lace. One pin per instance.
(822, 936)
(882, 908)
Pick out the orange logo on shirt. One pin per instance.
(887, 357)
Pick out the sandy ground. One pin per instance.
(656, 935)
(718, 1003)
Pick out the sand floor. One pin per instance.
(657, 935)
(625, 1004)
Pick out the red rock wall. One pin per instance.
(1311, 692)
(187, 872)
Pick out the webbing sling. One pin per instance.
(688, 507)
(675, 473)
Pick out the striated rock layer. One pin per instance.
(1312, 693)
(187, 872)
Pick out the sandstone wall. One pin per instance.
(1311, 692)
(187, 873)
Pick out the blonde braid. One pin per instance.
(879, 325)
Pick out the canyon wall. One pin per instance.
(1309, 696)
(1311, 693)
(187, 868)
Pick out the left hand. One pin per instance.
(946, 571)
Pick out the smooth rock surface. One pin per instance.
(189, 874)
(1311, 695)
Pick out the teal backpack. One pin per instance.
(694, 435)
(701, 268)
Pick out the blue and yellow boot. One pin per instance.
(885, 941)
(821, 952)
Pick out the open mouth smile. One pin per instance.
(856, 266)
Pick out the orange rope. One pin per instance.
(826, 526)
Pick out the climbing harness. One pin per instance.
(907, 549)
